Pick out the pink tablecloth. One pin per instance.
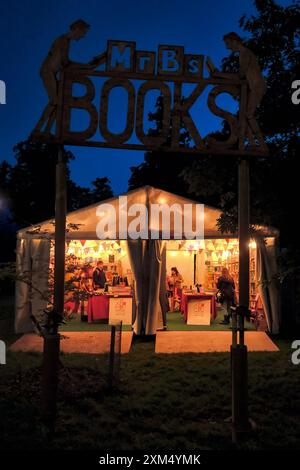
(186, 297)
(98, 307)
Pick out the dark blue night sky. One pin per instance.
(27, 29)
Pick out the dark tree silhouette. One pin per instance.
(273, 35)
(29, 185)
(163, 169)
(27, 191)
(274, 38)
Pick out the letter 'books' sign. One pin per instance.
(138, 74)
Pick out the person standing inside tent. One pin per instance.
(226, 294)
(99, 277)
(176, 279)
(175, 283)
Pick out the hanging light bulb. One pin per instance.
(162, 200)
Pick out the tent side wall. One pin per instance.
(268, 284)
(32, 271)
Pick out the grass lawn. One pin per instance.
(173, 401)
(175, 322)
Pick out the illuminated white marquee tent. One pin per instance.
(147, 258)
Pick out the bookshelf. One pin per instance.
(214, 261)
(213, 272)
(253, 282)
(233, 266)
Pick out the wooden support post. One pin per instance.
(234, 327)
(239, 381)
(52, 339)
(60, 233)
(239, 364)
(112, 358)
(243, 229)
(50, 371)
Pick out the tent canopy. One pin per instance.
(82, 223)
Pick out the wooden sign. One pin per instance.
(120, 309)
(198, 312)
(138, 73)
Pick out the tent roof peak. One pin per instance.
(85, 219)
(146, 188)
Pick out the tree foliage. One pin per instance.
(29, 185)
(163, 170)
(274, 37)
(27, 191)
